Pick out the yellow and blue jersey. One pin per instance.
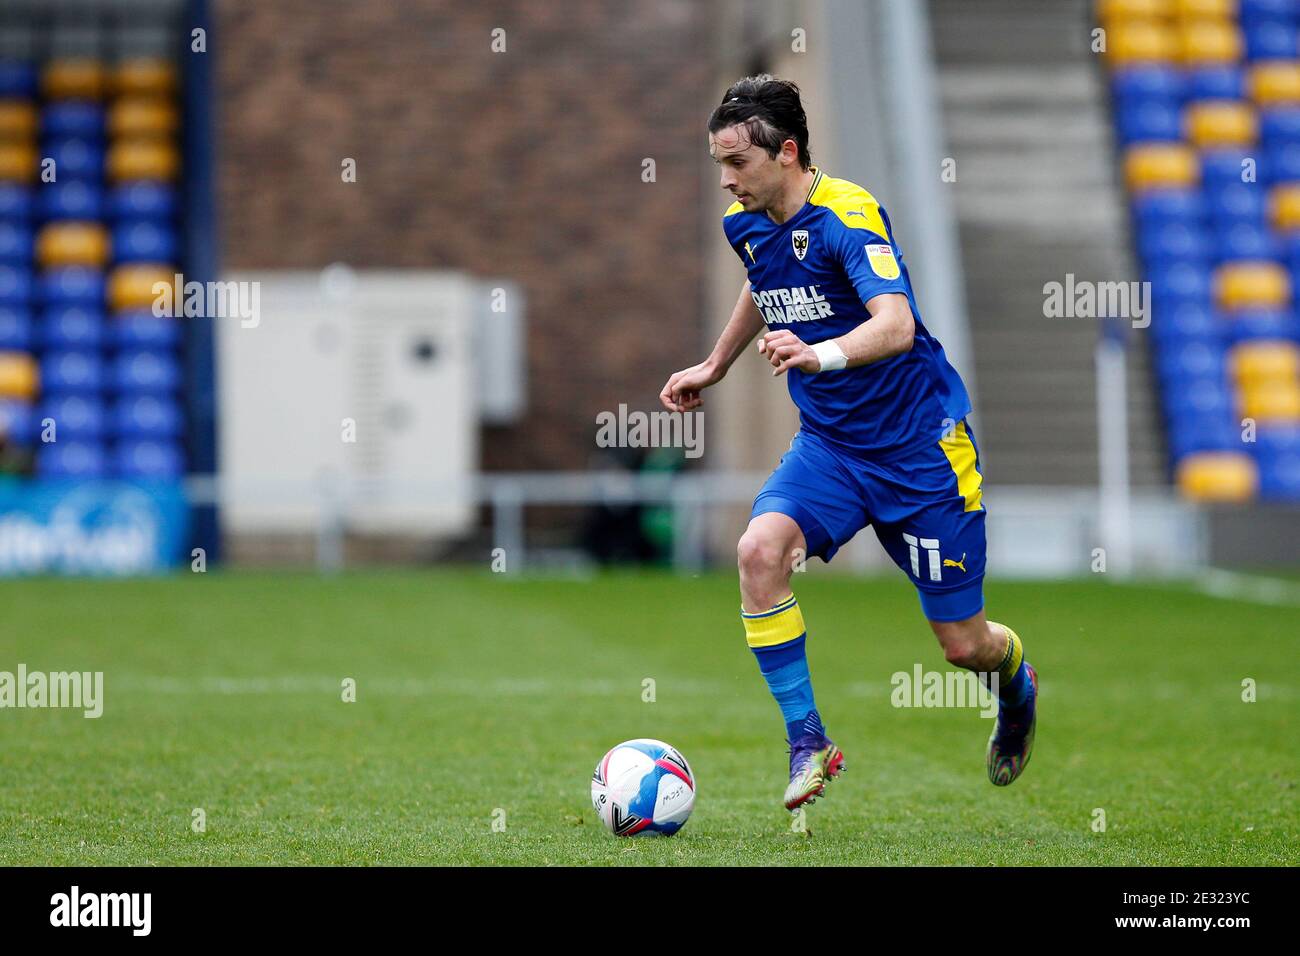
(813, 274)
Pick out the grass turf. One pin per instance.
(481, 697)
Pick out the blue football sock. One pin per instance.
(777, 638)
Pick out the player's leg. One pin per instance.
(995, 651)
(789, 523)
(932, 524)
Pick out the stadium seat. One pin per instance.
(1257, 362)
(1160, 206)
(1282, 163)
(15, 329)
(15, 202)
(19, 376)
(1270, 39)
(145, 77)
(1156, 81)
(73, 328)
(18, 162)
(17, 79)
(1205, 9)
(17, 120)
(1179, 282)
(1284, 206)
(72, 243)
(1191, 361)
(1275, 81)
(73, 119)
(71, 200)
(1132, 42)
(142, 117)
(1208, 42)
(16, 244)
(72, 460)
(144, 241)
(147, 460)
(153, 417)
(1173, 241)
(142, 159)
(132, 285)
(135, 372)
(1248, 325)
(1223, 168)
(1187, 319)
(76, 158)
(1251, 10)
(142, 199)
(1242, 240)
(1217, 476)
(71, 372)
(1271, 401)
(1239, 285)
(81, 79)
(141, 329)
(1221, 123)
(1149, 121)
(17, 422)
(76, 417)
(1159, 166)
(1189, 435)
(1219, 81)
(1111, 12)
(1279, 125)
(71, 284)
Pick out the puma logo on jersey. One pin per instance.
(751, 253)
(950, 563)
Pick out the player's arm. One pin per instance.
(887, 333)
(682, 393)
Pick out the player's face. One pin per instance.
(748, 173)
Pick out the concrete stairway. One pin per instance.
(1037, 198)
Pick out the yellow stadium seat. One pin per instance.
(1272, 402)
(72, 244)
(1274, 82)
(1205, 9)
(17, 162)
(1284, 206)
(1113, 11)
(1251, 283)
(1140, 41)
(1218, 476)
(17, 120)
(1216, 123)
(19, 375)
(1264, 360)
(73, 79)
(1209, 42)
(141, 117)
(142, 159)
(132, 286)
(1160, 166)
(147, 77)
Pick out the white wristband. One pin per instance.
(830, 355)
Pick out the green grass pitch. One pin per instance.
(482, 697)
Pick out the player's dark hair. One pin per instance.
(771, 112)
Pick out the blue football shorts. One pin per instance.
(924, 504)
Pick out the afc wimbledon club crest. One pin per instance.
(800, 239)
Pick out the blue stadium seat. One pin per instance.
(1251, 10)
(76, 417)
(1279, 125)
(1185, 362)
(1194, 434)
(1270, 39)
(146, 416)
(145, 371)
(1199, 399)
(16, 202)
(16, 244)
(1178, 282)
(141, 329)
(71, 200)
(1218, 82)
(1251, 324)
(1158, 206)
(18, 423)
(144, 241)
(1173, 241)
(1236, 202)
(1150, 121)
(16, 286)
(18, 79)
(1189, 319)
(1281, 164)
(1244, 240)
(72, 372)
(1224, 167)
(142, 199)
(15, 329)
(145, 460)
(1148, 81)
(73, 119)
(73, 328)
(71, 285)
(72, 459)
(1279, 476)
(76, 158)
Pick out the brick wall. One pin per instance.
(525, 164)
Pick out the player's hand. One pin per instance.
(785, 351)
(682, 393)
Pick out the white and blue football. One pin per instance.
(643, 787)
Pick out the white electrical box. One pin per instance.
(352, 392)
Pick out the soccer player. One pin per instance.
(883, 438)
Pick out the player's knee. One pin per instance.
(960, 641)
(758, 556)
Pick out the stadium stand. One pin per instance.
(1206, 105)
(90, 174)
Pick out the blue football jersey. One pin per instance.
(813, 275)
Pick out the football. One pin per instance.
(643, 787)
